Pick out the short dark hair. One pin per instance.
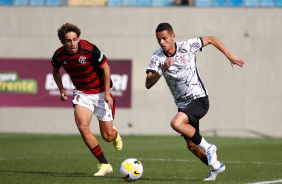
(164, 27)
(66, 28)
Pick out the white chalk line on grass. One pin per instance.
(180, 160)
(153, 159)
(267, 182)
(172, 160)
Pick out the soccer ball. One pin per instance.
(131, 169)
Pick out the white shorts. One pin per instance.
(96, 103)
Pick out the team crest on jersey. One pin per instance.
(182, 59)
(82, 59)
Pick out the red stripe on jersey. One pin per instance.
(83, 67)
(104, 62)
(114, 106)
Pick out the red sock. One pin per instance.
(98, 153)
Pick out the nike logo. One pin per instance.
(136, 172)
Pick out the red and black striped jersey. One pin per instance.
(83, 67)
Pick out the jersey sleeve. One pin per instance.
(154, 64)
(55, 62)
(195, 44)
(98, 58)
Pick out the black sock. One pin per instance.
(197, 138)
(205, 161)
(98, 153)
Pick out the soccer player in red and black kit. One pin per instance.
(90, 74)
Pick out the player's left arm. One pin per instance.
(107, 82)
(234, 60)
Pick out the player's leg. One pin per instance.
(180, 123)
(186, 119)
(106, 116)
(109, 134)
(216, 168)
(198, 152)
(106, 130)
(198, 146)
(83, 118)
(205, 151)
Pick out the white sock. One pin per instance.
(216, 165)
(204, 144)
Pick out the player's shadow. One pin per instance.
(54, 174)
(169, 179)
(86, 175)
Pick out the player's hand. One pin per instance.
(168, 62)
(63, 96)
(109, 100)
(235, 60)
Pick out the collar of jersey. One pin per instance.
(173, 53)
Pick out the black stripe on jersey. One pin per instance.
(202, 43)
(59, 52)
(200, 79)
(98, 57)
(149, 70)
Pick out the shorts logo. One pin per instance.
(77, 97)
(82, 60)
(109, 115)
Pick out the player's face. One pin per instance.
(166, 41)
(71, 42)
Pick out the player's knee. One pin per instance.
(83, 128)
(175, 125)
(108, 137)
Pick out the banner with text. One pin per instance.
(30, 83)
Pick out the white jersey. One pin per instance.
(182, 78)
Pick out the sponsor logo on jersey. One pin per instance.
(82, 59)
(195, 45)
(184, 99)
(65, 63)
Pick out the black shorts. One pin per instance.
(195, 110)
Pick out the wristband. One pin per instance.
(160, 72)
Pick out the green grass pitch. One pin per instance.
(36, 158)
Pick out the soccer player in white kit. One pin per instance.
(176, 61)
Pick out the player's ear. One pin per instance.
(173, 36)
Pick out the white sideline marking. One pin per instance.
(266, 182)
(180, 160)
(154, 159)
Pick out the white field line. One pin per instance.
(267, 182)
(181, 160)
(153, 159)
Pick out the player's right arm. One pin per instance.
(58, 79)
(153, 77)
